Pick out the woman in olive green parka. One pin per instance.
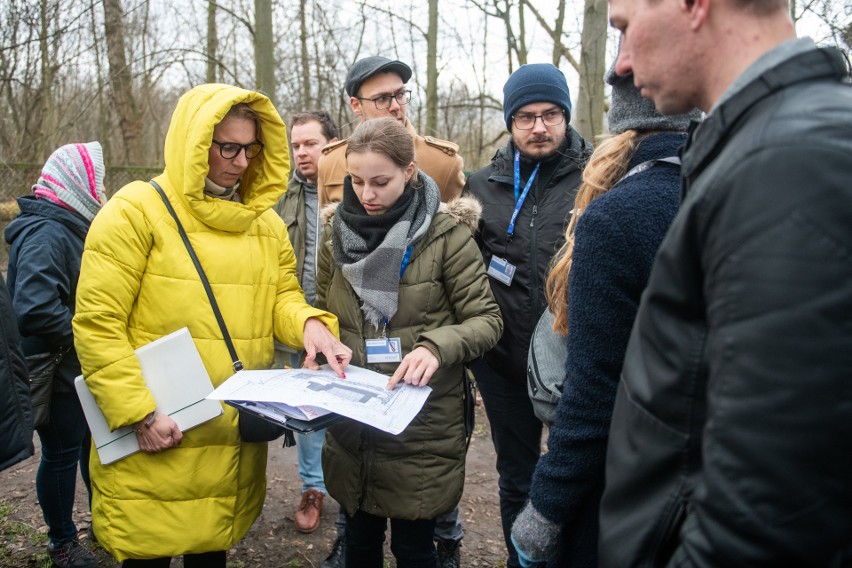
(442, 310)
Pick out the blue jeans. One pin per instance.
(309, 447)
(411, 542)
(65, 442)
(516, 433)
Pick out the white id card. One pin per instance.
(384, 350)
(501, 270)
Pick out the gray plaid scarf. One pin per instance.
(373, 270)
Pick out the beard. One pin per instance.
(539, 148)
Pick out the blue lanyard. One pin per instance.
(519, 199)
(406, 258)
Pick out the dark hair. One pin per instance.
(329, 128)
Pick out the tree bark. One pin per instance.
(588, 115)
(264, 55)
(212, 41)
(304, 56)
(121, 82)
(432, 70)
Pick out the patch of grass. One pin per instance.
(295, 563)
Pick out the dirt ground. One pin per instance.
(273, 540)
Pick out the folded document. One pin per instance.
(304, 394)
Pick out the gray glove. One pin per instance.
(534, 537)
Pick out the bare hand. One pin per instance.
(162, 435)
(318, 339)
(415, 369)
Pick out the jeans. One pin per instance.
(216, 559)
(65, 442)
(309, 447)
(411, 542)
(448, 526)
(516, 433)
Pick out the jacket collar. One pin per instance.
(35, 211)
(707, 138)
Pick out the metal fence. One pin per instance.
(18, 179)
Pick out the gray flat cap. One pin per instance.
(365, 68)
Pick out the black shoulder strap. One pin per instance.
(238, 366)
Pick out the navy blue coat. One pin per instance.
(616, 241)
(16, 420)
(44, 266)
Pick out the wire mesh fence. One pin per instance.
(18, 179)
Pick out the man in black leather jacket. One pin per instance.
(732, 427)
(547, 156)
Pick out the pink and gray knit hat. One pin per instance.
(73, 178)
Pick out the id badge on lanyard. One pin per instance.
(499, 268)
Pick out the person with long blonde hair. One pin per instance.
(623, 208)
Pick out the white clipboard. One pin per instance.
(176, 377)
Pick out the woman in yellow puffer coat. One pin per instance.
(227, 163)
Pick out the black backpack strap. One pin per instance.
(238, 366)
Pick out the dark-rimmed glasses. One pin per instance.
(230, 150)
(526, 121)
(383, 102)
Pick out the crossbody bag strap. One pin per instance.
(238, 366)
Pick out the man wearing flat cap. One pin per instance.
(376, 89)
(527, 193)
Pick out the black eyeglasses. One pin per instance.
(230, 150)
(383, 102)
(527, 121)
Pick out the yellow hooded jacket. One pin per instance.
(138, 283)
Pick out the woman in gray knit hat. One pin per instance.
(628, 199)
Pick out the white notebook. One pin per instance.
(176, 377)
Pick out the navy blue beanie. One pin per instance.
(535, 83)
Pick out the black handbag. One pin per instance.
(42, 371)
(252, 428)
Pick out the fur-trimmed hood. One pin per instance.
(465, 209)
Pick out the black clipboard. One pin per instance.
(294, 424)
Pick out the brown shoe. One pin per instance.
(308, 514)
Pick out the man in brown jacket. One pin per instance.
(376, 89)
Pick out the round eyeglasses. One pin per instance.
(383, 102)
(526, 121)
(230, 150)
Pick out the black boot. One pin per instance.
(449, 555)
(337, 558)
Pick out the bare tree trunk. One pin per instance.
(103, 112)
(588, 116)
(46, 91)
(264, 55)
(304, 55)
(121, 82)
(556, 55)
(432, 69)
(522, 35)
(212, 41)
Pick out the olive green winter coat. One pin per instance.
(445, 305)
